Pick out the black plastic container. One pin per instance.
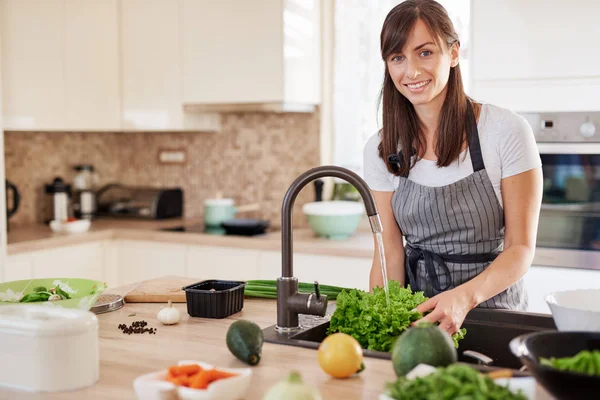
(214, 298)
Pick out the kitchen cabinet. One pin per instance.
(92, 92)
(239, 53)
(541, 281)
(17, 267)
(141, 260)
(352, 272)
(76, 261)
(79, 261)
(222, 263)
(33, 74)
(60, 69)
(517, 65)
(151, 77)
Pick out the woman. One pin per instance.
(460, 180)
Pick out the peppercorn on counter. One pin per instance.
(132, 342)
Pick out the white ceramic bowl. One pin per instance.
(79, 226)
(154, 386)
(334, 219)
(576, 310)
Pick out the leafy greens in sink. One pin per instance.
(366, 317)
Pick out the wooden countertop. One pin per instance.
(40, 237)
(125, 357)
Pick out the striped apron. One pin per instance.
(453, 232)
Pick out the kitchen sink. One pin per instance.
(489, 333)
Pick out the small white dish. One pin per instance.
(79, 226)
(154, 386)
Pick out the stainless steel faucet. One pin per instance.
(290, 303)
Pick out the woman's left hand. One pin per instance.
(449, 308)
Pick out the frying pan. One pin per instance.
(245, 227)
(561, 384)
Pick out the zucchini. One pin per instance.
(245, 340)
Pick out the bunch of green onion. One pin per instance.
(267, 289)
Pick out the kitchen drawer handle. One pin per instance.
(482, 359)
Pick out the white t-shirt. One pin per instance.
(507, 144)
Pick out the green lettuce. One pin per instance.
(366, 317)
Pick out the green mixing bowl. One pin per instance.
(335, 220)
(83, 292)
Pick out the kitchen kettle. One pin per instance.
(16, 199)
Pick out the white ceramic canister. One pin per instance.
(44, 348)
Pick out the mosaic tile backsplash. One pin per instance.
(253, 159)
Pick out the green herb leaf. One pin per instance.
(62, 293)
(453, 382)
(585, 362)
(131, 315)
(35, 297)
(39, 289)
(366, 316)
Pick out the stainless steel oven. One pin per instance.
(569, 227)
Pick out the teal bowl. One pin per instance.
(336, 220)
(83, 293)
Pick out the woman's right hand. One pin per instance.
(392, 243)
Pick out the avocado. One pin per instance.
(245, 341)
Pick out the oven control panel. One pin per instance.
(565, 127)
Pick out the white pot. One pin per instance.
(46, 348)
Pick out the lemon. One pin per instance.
(340, 355)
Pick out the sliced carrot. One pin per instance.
(200, 380)
(217, 374)
(204, 378)
(181, 380)
(187, 369)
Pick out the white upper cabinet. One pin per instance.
(158, 65)
(151, 69)
(33, 64)
(536, 55)
(61, 65)
(92, 97)
(251, 55)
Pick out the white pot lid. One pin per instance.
(45, 320)
(333, 208)
(219, 202)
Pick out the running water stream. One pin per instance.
(379, 239)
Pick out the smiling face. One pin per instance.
(420, 72)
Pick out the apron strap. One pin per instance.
(416, 254)
(473, 139)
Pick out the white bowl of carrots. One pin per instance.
(193, 380)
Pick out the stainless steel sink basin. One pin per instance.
(488, 333)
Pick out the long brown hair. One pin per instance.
(401, 125)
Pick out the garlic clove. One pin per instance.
(169, 315)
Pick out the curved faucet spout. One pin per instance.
(292, 193)
(288, 298)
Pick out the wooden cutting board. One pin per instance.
(160, 290)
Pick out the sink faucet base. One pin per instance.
(290, 303)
